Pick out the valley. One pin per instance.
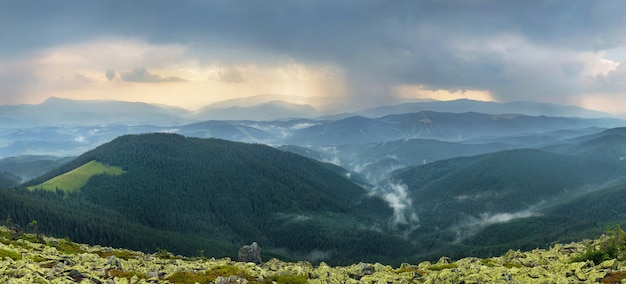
(384, 185)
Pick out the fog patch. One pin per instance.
(358, 168)
(171, 130)
(334, 161)
(398, 199)
(478, 196)
(314, 256)
(474, 224)
(289, 218)
(303, 125)
(393, 157)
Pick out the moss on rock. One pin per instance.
(23, 261)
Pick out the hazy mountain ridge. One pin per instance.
(470, 189)
(271, 110)
(59, 111)
(464, 105)
(436, 125)
(520, 197)
(472, 127)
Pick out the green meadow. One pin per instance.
(77, 178)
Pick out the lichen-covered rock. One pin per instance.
(251, 253)
(43, 263)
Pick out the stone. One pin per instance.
(251, 253)
(45, 264)
(443, 260)
(609, 264)
(114, 262)
(360, 270)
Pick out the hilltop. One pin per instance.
(25, 260)
(188, 194)
(167, 191)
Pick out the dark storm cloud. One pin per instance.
(142, 75)
(439, 44)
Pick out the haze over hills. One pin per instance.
(464, 105)
(63, 127)
(263, 111)
(419, 184)
(521, 197)
(66, 112)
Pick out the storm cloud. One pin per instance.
(552, 51)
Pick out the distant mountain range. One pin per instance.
(67, 112)
(475, 128)
(436, 125)
(466, 105)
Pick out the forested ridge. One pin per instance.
(190, 194)
(209, 196)
(522, 199)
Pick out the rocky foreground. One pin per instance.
(28, 260)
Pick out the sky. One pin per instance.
(334, 55)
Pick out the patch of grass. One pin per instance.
(126, 274)
(77, 178)
(17, 244)
(121, 254)
(613, 246)
(488, 262)
(511, 265)
(228, 270)
(66, 246)
(164, 254)
(286, 279)
(37, 258)
(5, 233)
(184, 277)
(10, 254)
(30, 237)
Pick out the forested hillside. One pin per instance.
(523, 198)
(190, 194)
(8, 180)
(211, 196)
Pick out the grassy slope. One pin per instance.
(75, 179)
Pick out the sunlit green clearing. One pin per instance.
(76, 178)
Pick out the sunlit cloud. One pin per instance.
(336, 54)
(107, 69)
(421, 92)
(610, 103)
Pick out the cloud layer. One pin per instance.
(346, 53)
